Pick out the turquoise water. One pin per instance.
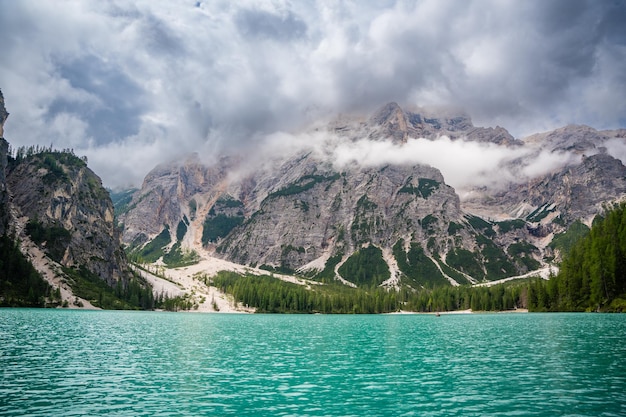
(84, 363)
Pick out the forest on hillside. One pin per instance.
(592, 276)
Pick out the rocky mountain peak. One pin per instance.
(391, 121)
(574, 138)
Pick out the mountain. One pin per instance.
(63, 219)
(62, 203)
(300, 210)
(587, 180)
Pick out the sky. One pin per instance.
(130, 84)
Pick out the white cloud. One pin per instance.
(150, 76)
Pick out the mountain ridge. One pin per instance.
(305, 212)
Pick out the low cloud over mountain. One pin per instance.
(130, 84)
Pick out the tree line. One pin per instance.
(20, 284)
(592, 276)
(268, 294)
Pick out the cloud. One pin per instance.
(463, 164)
(142, 81)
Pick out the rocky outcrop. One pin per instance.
(577, 189)
(3, 115)
(65, 210)
(391, 121)
(171, 192)
(4, 194)
(4, 149)
(323, 212)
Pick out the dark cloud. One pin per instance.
(279, 26)
(116, 109)
(140, 81)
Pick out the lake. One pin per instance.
(120, 363)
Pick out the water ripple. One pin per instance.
(71, 363)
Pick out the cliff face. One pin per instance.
(3, 115)
(169, 193)
(67, 212)
(321, 212)
(4, 148)
(391, 122)
(4, 194)
(305, 213)
(577, 189)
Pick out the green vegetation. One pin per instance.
(365, 221)
(365, 267)
(270, 295)
(522, 252)
(282, 269)
(540, 213)
(452, 273)
(495, 261)
(303, 184)
(20, 284)
(177, 303)
(454, 227)
(52, 160)
(121, 200)
(508, 225)
(424, 188)
(96, 189)
(565, 241)
(181, 230)
(466, 262)
(219, 226)
(153, 250)
(135, 294)
(227, 201)
(327, 275)
(364, 204)
(593, 274)
(177, 258)
(417, 268)
(428, 221)
(57, 238)
(481, 225)
(495, 298)
(193, 207)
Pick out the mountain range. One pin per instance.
(402, 198)
(354, 200)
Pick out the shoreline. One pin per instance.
(458, 312)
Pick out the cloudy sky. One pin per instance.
(130, 84)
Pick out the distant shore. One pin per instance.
(468, 311)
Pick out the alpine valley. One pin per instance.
(354, 202)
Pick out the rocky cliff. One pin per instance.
(305, 213)
(3, 114)
(579, 188)
(67, 212)
(4, 148)
(63, 218)
(391, 122)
